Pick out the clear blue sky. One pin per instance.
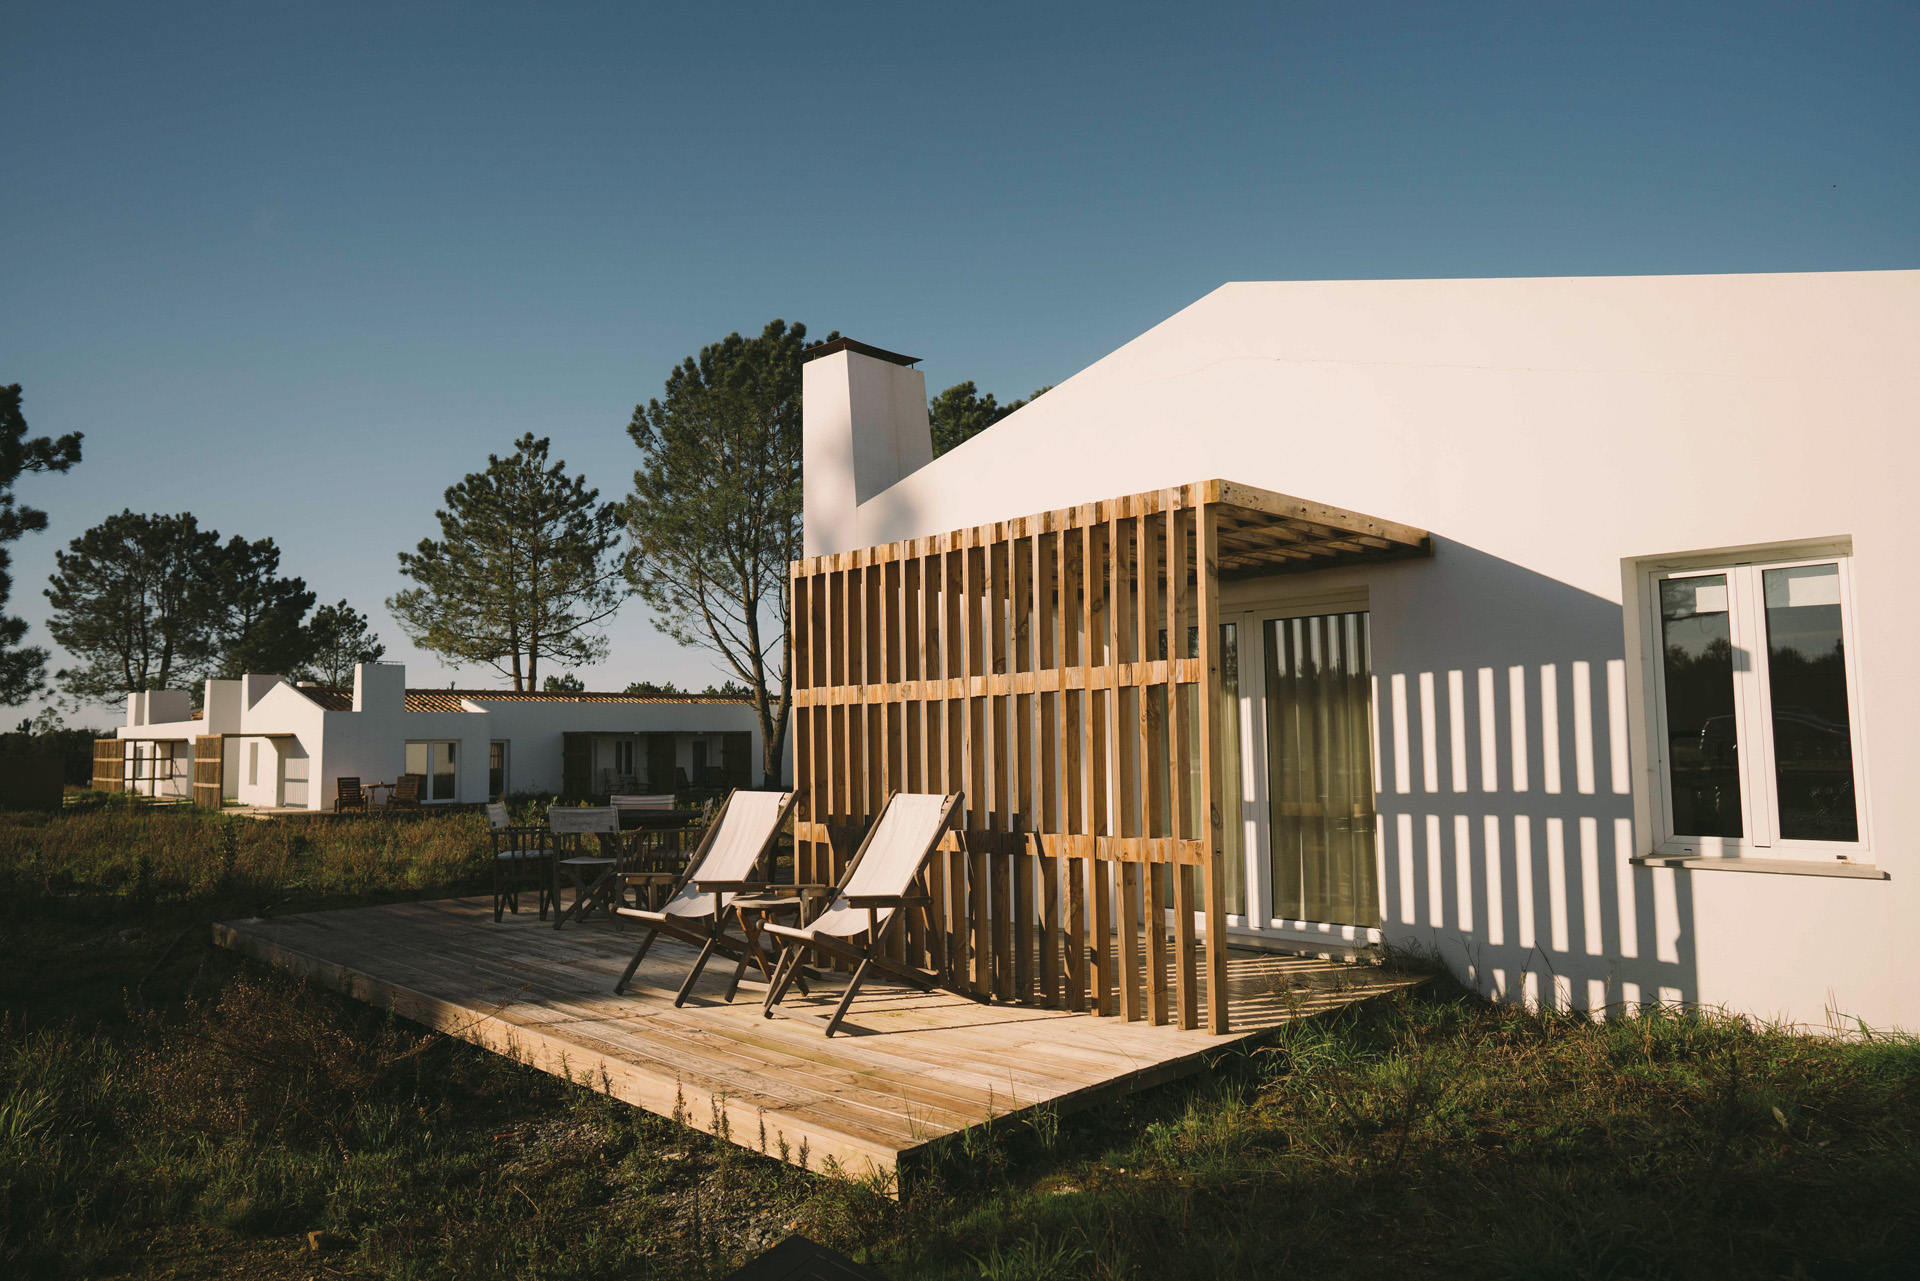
(296, 271)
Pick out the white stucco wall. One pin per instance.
(296, 738)
(1545, 431)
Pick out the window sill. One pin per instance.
(1778, 866)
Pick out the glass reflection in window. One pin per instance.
(1807, 679)
(1703, 749)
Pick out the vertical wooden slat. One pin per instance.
(1100, 927)
(1073, 782)
(1047, 595)
(1076, 932)
(1099, 798)
(1185, 963)
(1208, 600)
(1130, 941)
(1127, 649)
(1186, 995)
(1151, 731)
(1048, 874)
(1156, 930)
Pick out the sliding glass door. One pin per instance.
(1319, 749)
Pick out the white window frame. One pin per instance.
(1753, 702)
(426, 786)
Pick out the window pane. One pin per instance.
(1320, 763)
(496, 770)
(1703, 751)
(1812, 737)
(443, 771)
(417, 758)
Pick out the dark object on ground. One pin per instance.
(798, 1259)
(32, 783)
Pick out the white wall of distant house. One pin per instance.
(274, 732)
(1545, 431)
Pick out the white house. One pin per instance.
(286, 745)
(1643, 726)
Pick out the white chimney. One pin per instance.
(381, 686)
(865, 429)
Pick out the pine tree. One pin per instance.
(524, 569)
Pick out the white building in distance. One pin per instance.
(282, 745)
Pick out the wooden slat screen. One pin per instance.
(109, 765)
(208, 778)
(1038, 665)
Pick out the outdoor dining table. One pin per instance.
(371, 788)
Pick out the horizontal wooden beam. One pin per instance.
(1179, 671)
(981, 840)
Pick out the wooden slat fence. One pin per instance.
(109, 764)
(208, 769)
(1062, 670)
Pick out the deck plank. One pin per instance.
(916, 1065)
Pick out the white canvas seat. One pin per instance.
(728, 863)
(878, 885)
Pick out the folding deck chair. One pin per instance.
(877, 884)
(725, 866)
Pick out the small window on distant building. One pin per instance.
(253, 764)
(496, 770)
(1755, 708)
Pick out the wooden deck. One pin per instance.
(915, 1067)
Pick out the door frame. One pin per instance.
(1250, 611)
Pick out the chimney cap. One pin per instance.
(853, 345)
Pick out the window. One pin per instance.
(438, 764)
(1755, 707)
(1319, 706)
(496, 769)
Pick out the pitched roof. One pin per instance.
(334, 699)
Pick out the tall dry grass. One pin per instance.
(148, 856)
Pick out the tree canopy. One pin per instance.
(960, 413)
(134, 604)
(22, 667)
(340, 637)
(258, 618)
(156, 602)
(715, 514)
(524, 569)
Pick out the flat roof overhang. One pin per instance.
(1264, 533)
(1261, 533)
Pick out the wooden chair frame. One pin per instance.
(708, 933)
(872, 955)
(529, 846)
(347, 797)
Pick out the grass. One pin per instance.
(204, 1125)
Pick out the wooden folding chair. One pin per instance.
(877, 885)
(590, 874)
(728, 862)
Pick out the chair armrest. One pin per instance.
(731, 887)
(887, 900)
